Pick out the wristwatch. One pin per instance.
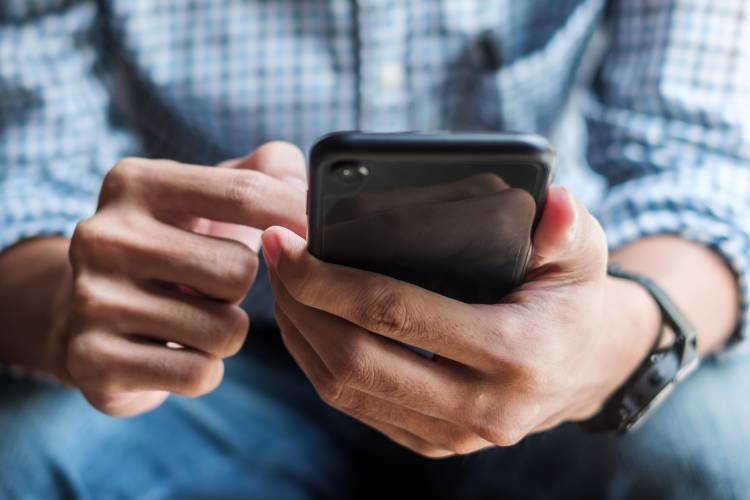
(658, 374)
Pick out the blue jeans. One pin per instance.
(264, 434)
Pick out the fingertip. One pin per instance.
(278, 241)
(281, 149)
(565, 204)
(296, 183)
(271, 246)
(273, 230)
(558, 219)
(560, 211)
(279, 159)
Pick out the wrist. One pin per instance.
(56, 337)
(33, 305)
(632, 325)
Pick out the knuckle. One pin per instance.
(243, 188)
(521, 198)
(105, 405)
(427, 451)
(86, 301)
(511, 340)
(103, 401)
(235, 332)
(492, 431)
(458, 440)
(484, 183)
(330, 390)
(501, 426)
(96, 239)
(350, 402)
(382, 309)
(509, 436)
(86, 238)
(200, 377)
(352, 367)
(77, 249)
(241, 270)
(529, 371)
(121, 178)
(83, 347)
(89, 361)
(513, 224)
(118, 404)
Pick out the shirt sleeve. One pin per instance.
(57, 134)
(669, 128)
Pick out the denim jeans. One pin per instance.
(264, 434)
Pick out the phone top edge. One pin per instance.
(338, 145)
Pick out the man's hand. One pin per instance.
(552, 351)
(159, 271)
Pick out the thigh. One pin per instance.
(262, 434)
(559, 464)
(693, 447)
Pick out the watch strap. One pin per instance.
(656, 376)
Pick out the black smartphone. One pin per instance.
(450, 212)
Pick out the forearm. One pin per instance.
(34, 274)
(696, 278)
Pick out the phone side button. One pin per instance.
(307, 203)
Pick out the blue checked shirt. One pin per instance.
(647, 100)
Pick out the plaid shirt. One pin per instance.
(652, 124)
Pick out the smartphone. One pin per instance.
(450, 212)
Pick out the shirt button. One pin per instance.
(391, 76)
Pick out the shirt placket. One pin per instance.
(382, 35)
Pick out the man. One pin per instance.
(141, 297)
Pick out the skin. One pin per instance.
(551, 352)
(168, 256)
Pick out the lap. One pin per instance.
(262, 434)
(693, 447)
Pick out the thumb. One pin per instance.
(280, 243)
(568, 240)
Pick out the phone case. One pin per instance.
(451, 212)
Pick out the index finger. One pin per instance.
(377, 303)
(276, 158)
(245, 197)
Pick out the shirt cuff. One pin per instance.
(31, 209)
(645, 207)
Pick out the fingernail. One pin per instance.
(296, 183)
(271, 250)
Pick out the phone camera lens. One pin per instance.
(351, 173)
